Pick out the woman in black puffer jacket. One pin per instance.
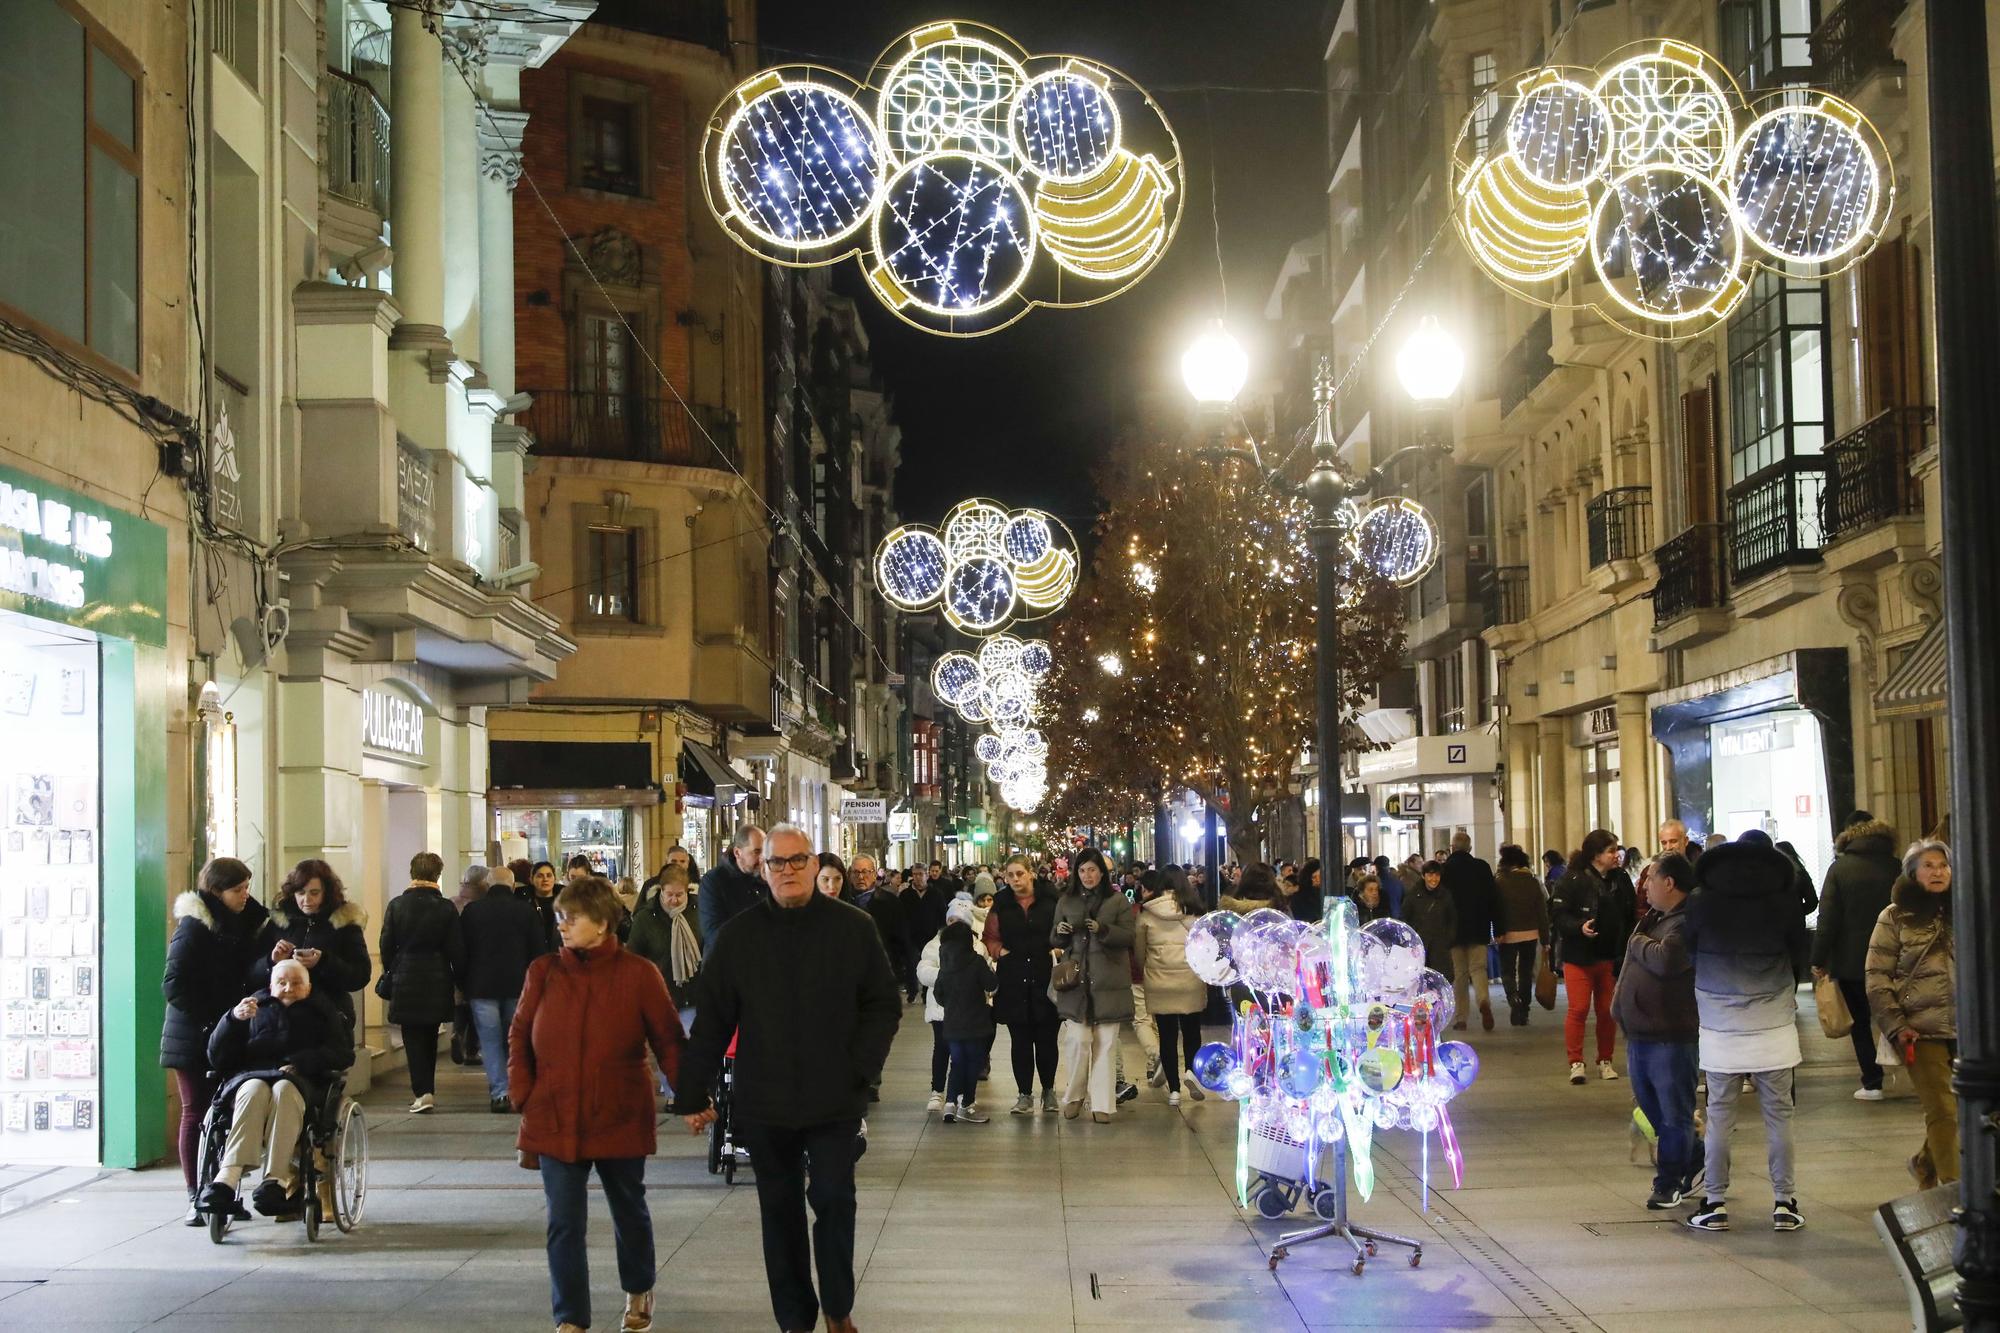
(216, 933)
(423, 957)
(313, 922)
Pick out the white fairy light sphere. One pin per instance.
(1806, 184)
(956, 677)
(1065, 123)
(910, 566)
(1036, 659)
(1560, 131)
(1398, 540)
(1670, 105)
(1027, 537)
(800, 165)
(999, 652)
(950, 92)
(1666, 245)
(975, 527)
(987, 747)
(956, 235)
(978, 594)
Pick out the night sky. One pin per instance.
(1022, 415)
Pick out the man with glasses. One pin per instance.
(803, 979)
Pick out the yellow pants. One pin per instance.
(1937, 1160)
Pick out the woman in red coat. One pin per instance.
(577, 1074)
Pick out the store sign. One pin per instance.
(1761, 738)
(65, 538)
(1596, 724)
(391, 723)
(66, 557)
(855, 810)
(903, 826)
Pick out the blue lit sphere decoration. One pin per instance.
(1036, 659)
(1805, 183)
(956, 235)
(1027, 537)
(1560, 132)
(1212, 1067)
(1397, 539)
(1208, 947)
(955, 677)
(910, 567)
(1065, 124)
(988, 747)
(801, 166)
(1300, 1073)
(1459, 1062)
(979, 594)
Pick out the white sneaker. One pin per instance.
(1606, 1071)
(1868, 1094)
(1173, 1099)
(422, 1104)
(1576, 1071)
(936, 1103)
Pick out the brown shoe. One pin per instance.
(638, 1312)
(1486, 1018)
(1071, 1110)
(1101, 1117)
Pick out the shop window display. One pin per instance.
(49, 895)
(1770, 774)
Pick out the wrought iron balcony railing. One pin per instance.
(585, 423)
(1621, 524)
(1854, 40)
(1775, 518)
(1868, 472)
(1504, 589)
(357, 143)
(1690, 573)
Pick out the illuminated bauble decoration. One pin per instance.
(975, 527)
(1036, 659)
(1665, 245)
(1399, 966)
(1300, 1073)
(800, 163)
(1065, 123)
(978, 594)
(1642, 165)
(1459, 1062)
(973, 180)
(1559, 133)
(1212, 1067)
(1266, 949)
(1436, 988)
(910, 568)
(1381, 1069)
(1208, 947)
(987, 747)
(1805, 183)
(956, 677)
(956, 236)
(999, 653)
(1397, 540)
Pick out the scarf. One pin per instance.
(684, 953)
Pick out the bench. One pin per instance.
(1920, 1230)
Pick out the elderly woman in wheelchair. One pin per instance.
(276, 1054)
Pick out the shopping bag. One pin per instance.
(1545, 983)
(1834, 1020)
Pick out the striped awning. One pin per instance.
(1916, 687)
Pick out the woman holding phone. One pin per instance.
(1094, 924)
(1591, 924)
(313, 922)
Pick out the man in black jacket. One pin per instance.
(1469, 881)
(802, 979)
(731, 884)
(503, 934)
(1856, 891)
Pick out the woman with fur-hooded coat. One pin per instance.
(325, 922)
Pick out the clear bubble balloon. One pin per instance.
(1423, 1118)
(1298, 1122)
(1265, 946)
(1315, 970)
(1208, 948)
(1384, 1114)
(1402, 960)
(1212, 1066)
(1437, 988)
(1362, 950)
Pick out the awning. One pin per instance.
(704, 771)
(1916, 687)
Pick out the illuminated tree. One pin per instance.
(1187, 657)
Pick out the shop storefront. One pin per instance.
(84, 683)
(1768, 746)
(1423, 789)
(1594, 732)
(714, 797)
(554, 800)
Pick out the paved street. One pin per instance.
(1033, 1223)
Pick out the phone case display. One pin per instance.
(49, 898)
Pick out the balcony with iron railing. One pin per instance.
(1621, 524)
(1691, 574)
(584, 423)
(1775, 519)
(1868, 479)
(1504, 590)
(1854, 41)
(357, 143)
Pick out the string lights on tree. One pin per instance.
(1674, 184)
(973, 180)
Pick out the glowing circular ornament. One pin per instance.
(1667, 246)
(1036, 659)
(1300, 1073)
(1109, 225)
(1027, 537)
(978, 594)
(1435, 987)
(1212, 1066)
(955, 677)
(1065, 123)
(1208, 948)
(1517, 228)
(987, 747)
(1810, 183)
(799, 163)
(1047, 584)
(975, 527)
(1559, 132)
(1397, 540)
(1670, 106)
(999, 653)
(955, 236)
(910, 568)
(950, 92)
(1265, 946)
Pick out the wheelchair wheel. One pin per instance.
(729, 1169)
(312, 1215)
(218, 1226)
(715, 1148)
(348, 1160)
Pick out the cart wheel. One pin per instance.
(1276, 1255)
(1371, 1249)
(1325, 1204)
(1416, 1257)
(729, 1169)
(1271, 1203)
(218, 1225)
(1359, 1264)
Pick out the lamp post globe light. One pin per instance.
(1430, 364)
(1214, 367)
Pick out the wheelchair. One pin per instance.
(725, 1155)
(332, 1159)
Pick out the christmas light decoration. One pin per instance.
(951, 172)
(989, 567)
(1111, 664)
(1674, 185)
(1397, 539)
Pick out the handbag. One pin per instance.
(1545, 982)
(1067, 974)
(1834, 1019)
(385, 985)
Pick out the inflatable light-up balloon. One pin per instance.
(1338, 1039)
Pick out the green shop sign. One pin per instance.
(67, 557)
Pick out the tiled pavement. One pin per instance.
(1033, 1223)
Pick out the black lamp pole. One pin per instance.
(1968, 370)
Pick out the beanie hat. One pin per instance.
(960, 910)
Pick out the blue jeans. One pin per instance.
(963, 1081)
(1662, 1074)
(492, 1018)
(566, 1185)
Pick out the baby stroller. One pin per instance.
(1277, 1165)
(332, 1159)
(724, 1155)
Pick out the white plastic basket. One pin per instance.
(1275, 1153)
